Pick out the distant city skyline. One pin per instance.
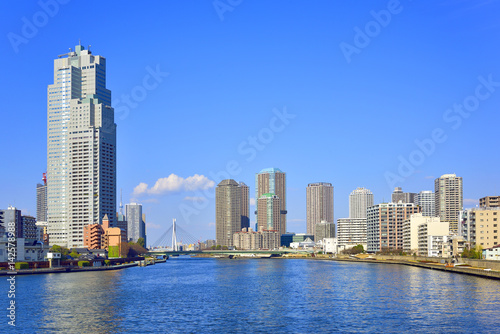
(202, 99)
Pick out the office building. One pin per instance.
(136, 224)
(399, 196)
(351, 232)
(319, 205)
(231, 215)
(448, 197)
(426, 201)
(272, 181)
(41, 200)
(384, 230)
(489, 202)
(359, 200)
(269, 213)
(81, 147)
(324, 230)
(479, 226)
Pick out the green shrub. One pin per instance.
(83, 263)
(107, 262)
(22, 265)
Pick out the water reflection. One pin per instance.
(188, 295)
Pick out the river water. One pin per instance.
(204, 295)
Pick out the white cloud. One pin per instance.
(252, 201)
(471, 201)
(195, 199)
(174, 183)
(211, 224)
(153, 226)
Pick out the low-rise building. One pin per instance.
(26, 250)
(432, 236)
(454, 246)
(330, 245)
(248, 239)
(492, 253)
(97, 236)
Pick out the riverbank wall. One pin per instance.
(485, 271)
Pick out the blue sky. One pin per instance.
(368, 94)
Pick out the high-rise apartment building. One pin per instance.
(399, 196)
(231, 210)
(41, 200)
(269, 213)
(319, 205)
(385, 225)
(245, 205)
(81, 147)
(136, 225)
(489, 202)
(448, 197)
(426, 201)
(359, 200)
(479, 226)
(272, 181)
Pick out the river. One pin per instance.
(205, 295)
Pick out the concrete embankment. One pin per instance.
(66, 270)
(486, 271)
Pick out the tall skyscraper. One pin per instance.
(81, 147)
(269, 213)
(426, 200)
(398, 195)
(319, 205)
(136, 225)
(272, 181)
(231, 210)
(448, 197)
(245, 205)
(41, 200)
(359, 200)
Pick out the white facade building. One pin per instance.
(351, 231)
(81, 148)
(426, 200)
(359, 200)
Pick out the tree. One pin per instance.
(74, 254)
(136, 249)
(140, 242)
